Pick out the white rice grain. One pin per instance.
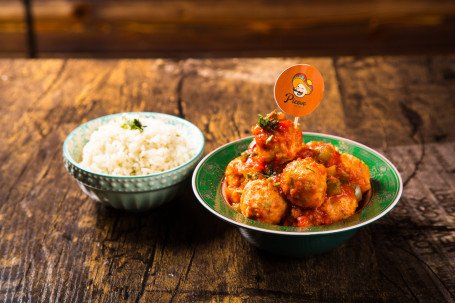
(113, 150)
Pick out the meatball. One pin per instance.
(237, 174)
(335, 208)
(304, 182)
(261, 201)
(358, 172)
(341, 206)
(278, 140)
(236, 171)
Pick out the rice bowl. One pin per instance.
(132, 192)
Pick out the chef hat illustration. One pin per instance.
(302, 79)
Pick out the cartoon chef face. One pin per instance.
(302, 85)
(300, 90)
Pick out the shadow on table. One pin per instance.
(181, 220)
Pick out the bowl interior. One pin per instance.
(76, 140)
(385, 181)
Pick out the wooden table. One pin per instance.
(57, 245)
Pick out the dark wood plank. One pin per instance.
(13, 29)
(52, 225)
(407, 108)
(197, 28)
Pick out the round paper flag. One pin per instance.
(299, 90)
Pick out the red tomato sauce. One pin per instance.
(333, 178)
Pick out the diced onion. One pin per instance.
(358, 193)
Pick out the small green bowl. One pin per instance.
(130, 193)
(386, 185)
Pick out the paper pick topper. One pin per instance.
(299, 90)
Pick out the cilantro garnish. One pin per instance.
(269, 139)
(268, 172)
(135, 124)
(267, 124)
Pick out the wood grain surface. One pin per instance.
(57, 245)
(233, 28)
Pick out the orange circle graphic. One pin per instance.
(299, 89)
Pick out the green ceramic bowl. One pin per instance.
(131, 193)
(386, 184)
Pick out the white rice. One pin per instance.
(113, 150)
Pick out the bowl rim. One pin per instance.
(300, 233)
(111, 116)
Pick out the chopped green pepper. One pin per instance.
(326, 153)
(331, 171)
(334, 188)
